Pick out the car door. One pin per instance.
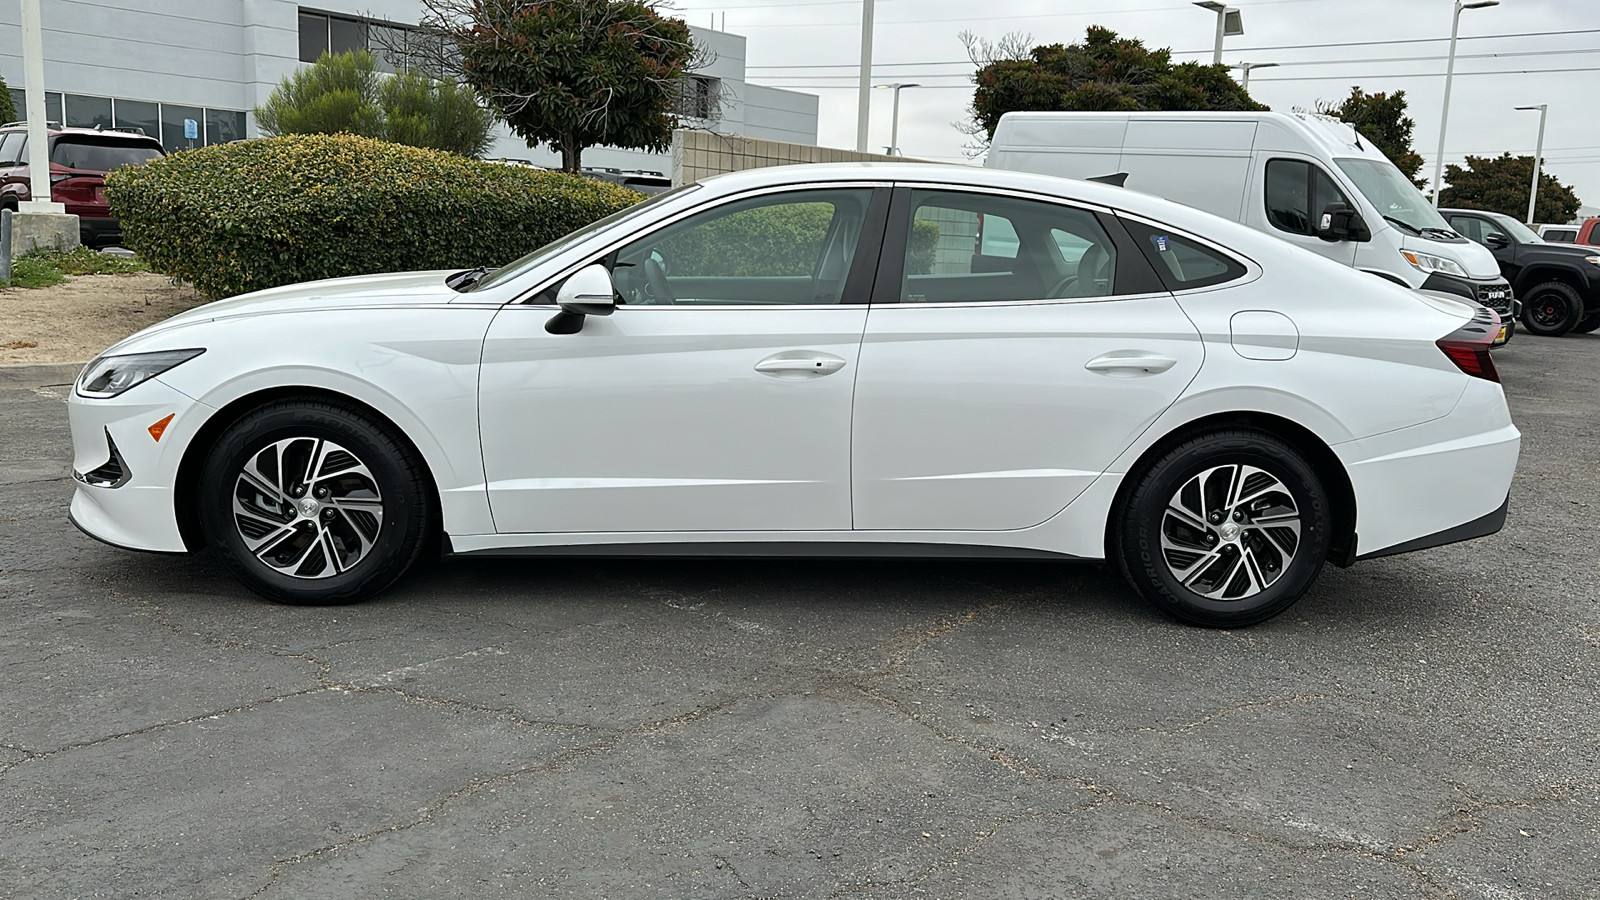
(1015, 347)
(715, 398)
(1295, 191)
(1477, 229)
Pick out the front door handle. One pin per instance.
(786, 365)
(1128, 362)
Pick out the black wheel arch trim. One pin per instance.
(1483, 526)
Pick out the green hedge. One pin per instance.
(233, 218)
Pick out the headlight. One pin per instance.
(109, 376)
(1434, 263)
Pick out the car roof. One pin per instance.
(115, 133)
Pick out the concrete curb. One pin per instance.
(32, 376)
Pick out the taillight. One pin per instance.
(1468, 346)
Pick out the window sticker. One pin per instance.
(1160, 240)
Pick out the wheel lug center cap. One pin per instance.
(1230, 531)
(309, 507)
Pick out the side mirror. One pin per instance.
(1496, 241)
(588, 292)
(1341, 223)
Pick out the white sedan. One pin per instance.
(884, 360)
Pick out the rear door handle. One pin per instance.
(795, 366)
(1131, 363)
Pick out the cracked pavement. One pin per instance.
(1419, 726)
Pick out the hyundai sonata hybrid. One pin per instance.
(863, 360)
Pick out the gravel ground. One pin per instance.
(74, 321)
(1419, 726)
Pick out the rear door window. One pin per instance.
(97, 154)
(11, 148)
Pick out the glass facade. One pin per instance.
(141, 115)
(174, 127)
(88, 112)
(162, 121)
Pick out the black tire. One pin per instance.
(1148, 564)
(374, 549)
(1551, 309)
(1587, 325)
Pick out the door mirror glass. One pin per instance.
(1496, 240)
(588, 292)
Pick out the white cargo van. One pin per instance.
(1308, 179)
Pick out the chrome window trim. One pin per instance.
(679, 216)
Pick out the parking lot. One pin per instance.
(1419, 726)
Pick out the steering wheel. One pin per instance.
(655, 279)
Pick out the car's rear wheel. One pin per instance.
(1552, 309)
(309, 502)
(1225, 529)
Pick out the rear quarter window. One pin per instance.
(1183, 264)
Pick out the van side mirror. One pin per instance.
(588, 292)
(1496, 241)
(1339, 222)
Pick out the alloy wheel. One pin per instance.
(307, 507)
(1230, 532)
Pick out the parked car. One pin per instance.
(820, 361)
(1309, 180)
(79, 161)
(1586, 233)
(639, 179)
(1559, 283)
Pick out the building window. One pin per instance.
(313, 36)
(19, 102)
(174, 127)
(700, 97)
(88, 112)
(223, 125)
(137, 114)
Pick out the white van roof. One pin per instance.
(1313, 133)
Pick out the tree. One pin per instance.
(343, 93)
(8, 109)
(1104, 72)
(1381, 118)
(1500, 184)
(570, 74)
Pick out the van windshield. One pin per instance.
(1394, 196)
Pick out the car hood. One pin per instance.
(393, 289)
(1575, 252)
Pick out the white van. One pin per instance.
(1308, 179)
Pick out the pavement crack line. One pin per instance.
(506, 713)
(1227, 711)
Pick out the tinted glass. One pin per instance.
(1297, 193)
(137, 114)
(1517, 231)
(1469, 227)
(19, 102)
(965, 248)
(11, 148)
(172, 127)
(87, 112)
(346, 35)
(313, 36)
(790, 248)
(1183, 264)
(52, 107)
(224, 125)
(99, 154)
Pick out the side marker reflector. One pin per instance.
(160, 428)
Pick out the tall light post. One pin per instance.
(1538, 157)
(1449, 75)
(33, 85)
(1229, 24)
(894, 128)
(1245, 67)
(864, 92)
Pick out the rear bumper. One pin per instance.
(1483, 526)
(99, 231)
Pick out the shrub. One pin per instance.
(233, 218)
(8, 110)
(343, 93)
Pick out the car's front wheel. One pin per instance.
(310, 502)
(1225, 529)
(1552, 309)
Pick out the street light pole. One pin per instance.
(864, 92)
(894, 128)
(1449, 75)
(1229, 23)
(1538, 157)
(1245, 67)
(38, 129)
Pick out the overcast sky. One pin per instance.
(916, 41)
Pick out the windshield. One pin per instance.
(1519, 232)
(1393, 194)
(538, 256)
(100, 154)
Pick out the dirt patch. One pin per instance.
(73, 322)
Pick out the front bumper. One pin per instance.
(134, 509)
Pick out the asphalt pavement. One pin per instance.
(1418, 726)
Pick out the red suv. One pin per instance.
(79, 161)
